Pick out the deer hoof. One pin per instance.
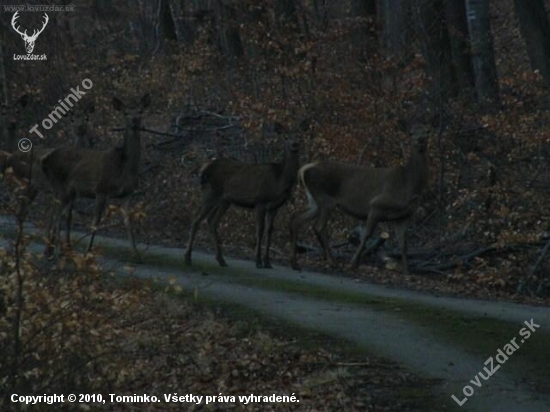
(259, 265)
(267, 265)
(222, 262)
(187, 260)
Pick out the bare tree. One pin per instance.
(395, 17)
(483, 54)
(457, 26)
(535, 29)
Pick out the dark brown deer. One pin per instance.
(27, 170)
(262, 187)
(27, 166)
(369, 194)
(25, 177)
(100, 174)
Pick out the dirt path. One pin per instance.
(439, 337)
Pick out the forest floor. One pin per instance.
(436, 337)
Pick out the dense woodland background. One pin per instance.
(234, 78)
(230, 78)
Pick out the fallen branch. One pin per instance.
(143, 129)
(541, 257)
(465, 260)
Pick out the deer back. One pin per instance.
(248, 184)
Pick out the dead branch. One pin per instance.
(541, 257)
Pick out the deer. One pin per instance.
(26, 167)
(263, 187)
(99, 174)
(371, 195)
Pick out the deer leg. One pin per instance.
(372, 221)
(260, 225)
(401, 229)
(100, 202)
(128, 223)
(54, 235)
(213, 221)
(295, 225)
(68, 222)
(321, 232)
(56, 230)
(206, 208)
(270, 219)
(26, 201)
(50, 238)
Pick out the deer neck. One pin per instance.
(132, 149)
(290, 169)
(417, 171)
(80, 133)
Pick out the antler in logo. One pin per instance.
(29, 40)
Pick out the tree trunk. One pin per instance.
(228, 30)
(3, 98)
(183, 28)
(396, 26)
(483, 55)
(436, 48)
(286, 13)
(165, 28)
(535, 29)
(457, 26)
(364, 37)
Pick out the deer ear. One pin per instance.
(117, 104)
(145, 101)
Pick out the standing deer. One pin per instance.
(100, 174)
(262, 187)
(370, 194)
(24, 166)
(27, 166)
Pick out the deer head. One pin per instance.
(79, 118)
(132, 113)
(29, 40)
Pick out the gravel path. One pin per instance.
(386, 332)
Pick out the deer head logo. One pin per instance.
(29, 40)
